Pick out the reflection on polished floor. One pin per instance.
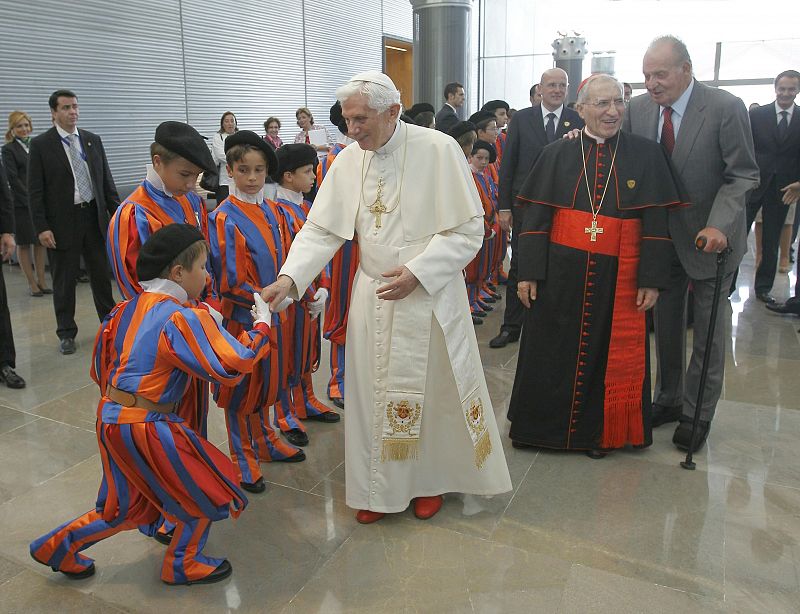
(630, 533)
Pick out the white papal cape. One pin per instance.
(420, 352)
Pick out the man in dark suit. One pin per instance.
(8, 353)
(776, 136)
(706, 132)
(530, 130)
(447, 117)
(72, 196)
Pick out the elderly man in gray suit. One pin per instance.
(707, 133)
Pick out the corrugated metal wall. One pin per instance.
(135, 64)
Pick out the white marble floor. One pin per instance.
(630, 533)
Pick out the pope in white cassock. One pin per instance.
(419, 419)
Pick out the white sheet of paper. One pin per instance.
(318, 137)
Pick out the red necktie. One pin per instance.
(667, 131)
(308, 140)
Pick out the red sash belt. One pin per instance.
(569, 229)
(625, 371)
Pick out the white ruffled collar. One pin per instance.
(159, 285)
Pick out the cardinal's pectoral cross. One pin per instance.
(593, 230)
(378, 208)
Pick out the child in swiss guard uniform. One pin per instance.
(479, 271)
(295, 175)
(246, 237)
(178, 155)
(343, 269)
(146, 353)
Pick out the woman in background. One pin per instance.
(30, 252)
(319, 140)
(272, 128)
(227, 126)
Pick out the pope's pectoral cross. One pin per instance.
(593, 230)
(378, 208)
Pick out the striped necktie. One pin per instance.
(80, 168)
(550, 128)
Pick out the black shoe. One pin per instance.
(164, 538)
(488, 299)
(83, 277)
(476, 321)
(596, 454)
(220, 573)
(297, 437)
(663, 414)
(67, 346)
(338, 402)
(479, 314)
(792, 306)
(46, 290)
(72, 575)
(299, 457)
(518, 445)
(683, 435)
(486, 308)
(36, 292)
(256, 487)
(10, 377)
(766, 297)
(329, 416)
(503, 339)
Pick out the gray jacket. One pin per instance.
(714, 158)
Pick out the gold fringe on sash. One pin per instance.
(482, 449)
(401, 449)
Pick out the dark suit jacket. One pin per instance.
(15, 160)
(446, 118)
(6, 205)
(525, 139)
(778, 159)
(51, 185)
(714, 158)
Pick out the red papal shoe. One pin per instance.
(368, 517)
(426, 507)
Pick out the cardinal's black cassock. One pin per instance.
(583, 379)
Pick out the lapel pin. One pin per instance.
(631, 183)
(566, 124)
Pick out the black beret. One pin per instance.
(336, 117)
(420, 107)
(185, 141)
(461, 128)
(481, 116)
(163, 246)
(247, 137)
(293, 156)
(495, 104)
(479, 144)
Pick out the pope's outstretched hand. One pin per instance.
(277, 293)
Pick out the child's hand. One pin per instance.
(261, 311)
(317, 306)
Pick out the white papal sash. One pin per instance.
(408, 359)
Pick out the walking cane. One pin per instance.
(722, 257)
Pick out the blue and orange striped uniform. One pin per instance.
(325, 163)
(154, 463)
(478, 270)
(145, 211)
(246, 242)
(343, 269)
(306, 340)
(501, 245)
